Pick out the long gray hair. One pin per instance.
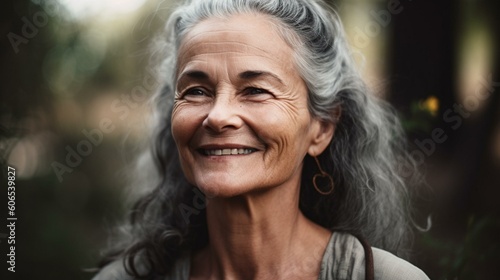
(364, 158)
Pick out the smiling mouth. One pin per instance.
(226, 152)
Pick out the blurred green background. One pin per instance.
(74, 72)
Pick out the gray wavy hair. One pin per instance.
(371, 196)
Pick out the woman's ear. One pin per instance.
(323, 134)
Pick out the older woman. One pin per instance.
(275, 162)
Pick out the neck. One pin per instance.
(262, 235)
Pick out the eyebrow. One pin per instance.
(199, 75)
(252, 74)
(246, 75)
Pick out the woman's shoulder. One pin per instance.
(113, 271)
(345, 259)
(388, 266)
(116, 271)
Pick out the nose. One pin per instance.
(223, 115)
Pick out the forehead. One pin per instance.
(238, 36)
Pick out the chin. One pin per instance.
(221, 190)
(225, 188)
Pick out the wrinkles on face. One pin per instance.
(219, 37)
(289, 134)
(237, 86)
(226, 43)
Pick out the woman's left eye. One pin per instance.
(255, 91)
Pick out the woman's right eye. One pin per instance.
(195, 92)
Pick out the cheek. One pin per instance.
(284, 127)
(177, 119)
(184, 125)
(185, 120)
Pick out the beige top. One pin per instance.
(344, 259)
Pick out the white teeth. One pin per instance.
(224, 152)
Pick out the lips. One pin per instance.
(225, 150)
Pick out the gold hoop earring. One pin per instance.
(322, 174)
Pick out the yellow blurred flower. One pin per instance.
(431, 104)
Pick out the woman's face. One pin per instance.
(240, 119)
